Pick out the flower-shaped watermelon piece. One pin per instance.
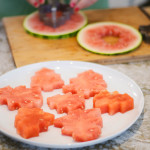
(29, 122)
(82, 125)
(86, 84)
(66, 103)
(21, 96)
(47, 80)
(113, 102)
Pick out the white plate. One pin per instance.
(113, 125)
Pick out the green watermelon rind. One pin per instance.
(55, 36)
(111, 52)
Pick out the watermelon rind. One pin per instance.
(56, 35)
(109, 52)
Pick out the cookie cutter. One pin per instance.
(145, 31)
(48, 13)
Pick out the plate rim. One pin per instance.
(79, 144)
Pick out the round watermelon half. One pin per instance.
(122, 38)
(35, 27)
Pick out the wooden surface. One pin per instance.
(147, 10)
(27, 49)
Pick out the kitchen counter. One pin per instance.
(136, 137)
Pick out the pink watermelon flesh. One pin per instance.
(86, 84)
(98, 33)
(73, 24)
(93, 38)
(47, 80)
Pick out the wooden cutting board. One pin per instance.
(27, 49)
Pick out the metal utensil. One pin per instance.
(145, 31)
(48, 13)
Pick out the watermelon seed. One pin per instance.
(91, 130)
(45, 128)
(13, 101)
(36, 95)
(61, 110)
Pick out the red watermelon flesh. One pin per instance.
(30, 122)
(47, 80)
(86, 84)
(82, 125)
(33, 24)
(122, 38)
(66, 103)
(21, 96)
(113, 103)
(95, 37)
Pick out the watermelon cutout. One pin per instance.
(87, 84)
(109, 38)
(82, 125)
(113, 103)
(47, 79)
(29, 122)
(35, 27)
(66, 103)
(21, 96)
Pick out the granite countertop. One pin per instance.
(136, 137)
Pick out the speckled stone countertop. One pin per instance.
(136, 137)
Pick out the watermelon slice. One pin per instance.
(21, 96)
(113, 103)
(82, 125)
(47, 80)
(29, 122)
(66, 103)
(86, 84)
(34, 26)
(109, 38)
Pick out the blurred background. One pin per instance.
(21, 7)
(126, 3)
